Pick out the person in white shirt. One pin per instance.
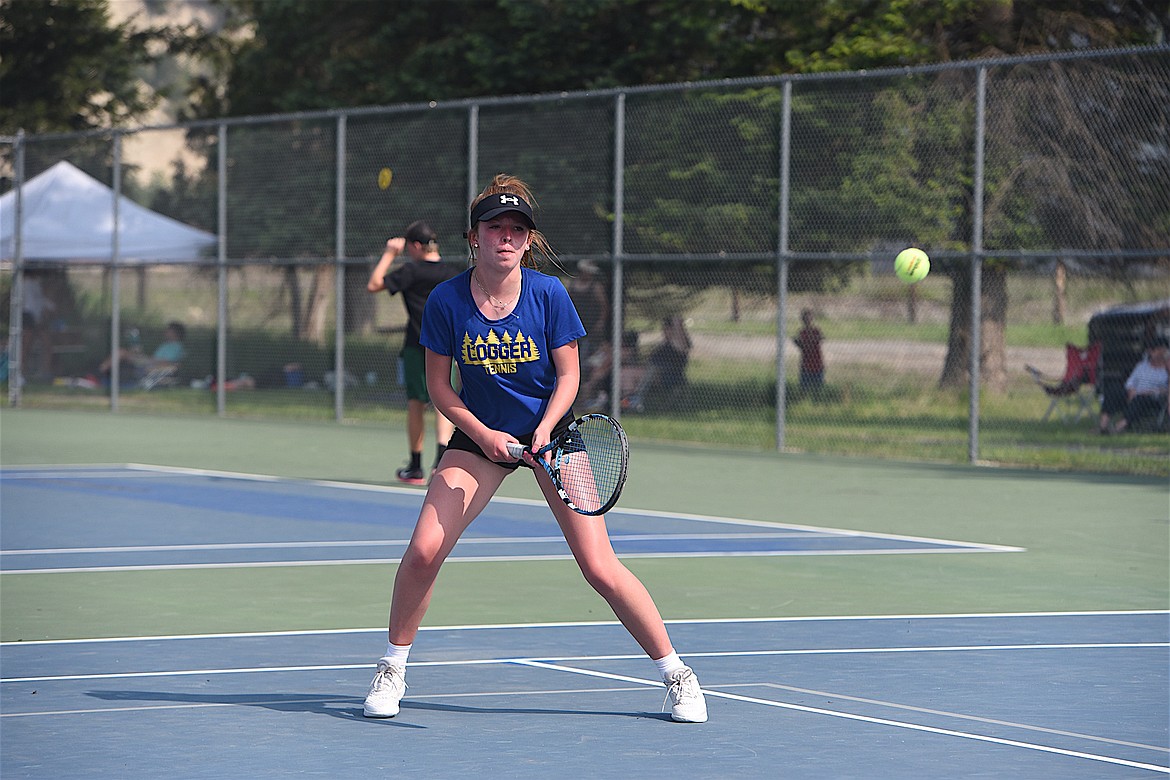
(1147, 390)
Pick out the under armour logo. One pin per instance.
(506, 199)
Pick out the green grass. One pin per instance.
(875, 412)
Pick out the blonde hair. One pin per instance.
(506, 184)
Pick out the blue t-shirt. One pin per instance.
(169, 352)
(505, 365)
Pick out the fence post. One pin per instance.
(977, 267)
(472, 150)
(617, 297)
(339, 277)
(221, 263)
(16, 298)
(782, 266)
(116, 281)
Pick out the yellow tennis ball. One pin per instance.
(911, 265)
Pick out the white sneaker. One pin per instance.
(386, 691)
(687, 704)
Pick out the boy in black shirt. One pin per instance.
(415, 280)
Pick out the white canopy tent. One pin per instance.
(68, 216)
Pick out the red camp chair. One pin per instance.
(1076, 391)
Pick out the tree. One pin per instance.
(302, 55)
(1074, 174)
(66, 68)
(1082, 190)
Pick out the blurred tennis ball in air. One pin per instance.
(911, 265)
(385, 176)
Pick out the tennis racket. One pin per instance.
(588, 463)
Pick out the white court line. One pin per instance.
(35, 473)
(260, 701)
(623, 511)
(868, 719)
(394, 543)
(484, 559)
(956, 715)
(934, 649)
(608, 676)
(551, 664)
(243, 476)
(590, 658)
(597, 623)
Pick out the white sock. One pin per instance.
(669, 664)
(396, 654)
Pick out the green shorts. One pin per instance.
(414, 373)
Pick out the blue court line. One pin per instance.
(114, 525)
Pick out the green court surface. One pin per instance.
(1089, 542)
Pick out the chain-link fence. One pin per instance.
(718, 215)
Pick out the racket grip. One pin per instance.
(515, 450)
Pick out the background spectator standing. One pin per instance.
(415, 279)
(812, 360)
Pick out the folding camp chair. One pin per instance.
(1075, 392)
(164, 375)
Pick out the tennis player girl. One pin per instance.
(512, 331)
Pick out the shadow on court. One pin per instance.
(343, 707)
(350, 708)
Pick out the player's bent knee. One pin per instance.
(421, 560)
(606, 580)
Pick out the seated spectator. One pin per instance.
(1147, 390)
(595, 390)
(3, 361)
(168, 354)
(666, 370)
(595, 376)
(663, 373)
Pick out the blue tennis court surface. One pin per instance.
(1028, 695)
(140, 517)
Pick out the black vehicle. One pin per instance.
(1124, 333)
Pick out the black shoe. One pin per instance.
(411, 476)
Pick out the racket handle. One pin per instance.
(515, 450)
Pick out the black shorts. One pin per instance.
(461, 441)
(1113, 398)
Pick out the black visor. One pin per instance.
(495, 205)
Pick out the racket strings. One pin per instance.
(594, 468)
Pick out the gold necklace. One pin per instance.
(491, 298)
